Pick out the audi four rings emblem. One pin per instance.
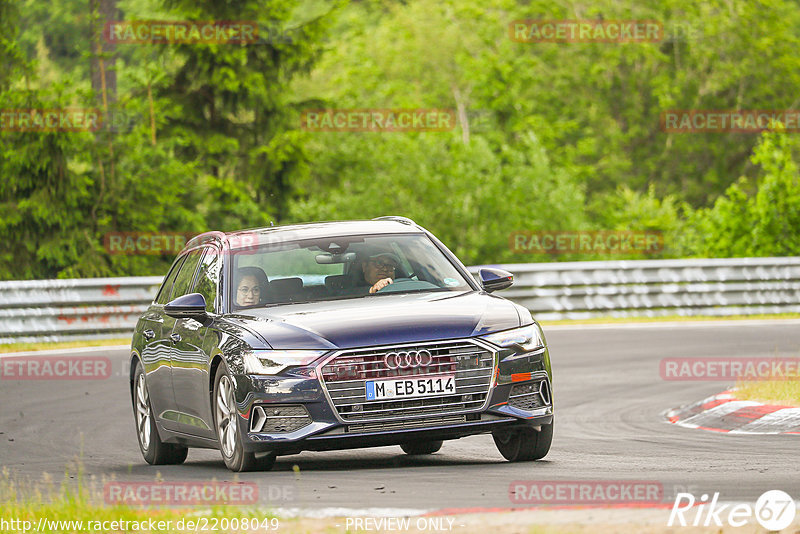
(407, 360)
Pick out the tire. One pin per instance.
(422, 447)
(524, 444)
(226, 425)
(154, 451)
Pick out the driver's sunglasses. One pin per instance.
(255, 291)
(384, 265)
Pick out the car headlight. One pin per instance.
(525, 339)
(272, 362)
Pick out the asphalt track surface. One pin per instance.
(609, 401)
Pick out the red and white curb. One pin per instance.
(725, 413)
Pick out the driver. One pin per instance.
(379, 270)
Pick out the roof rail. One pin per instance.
(205, 237)
(396, 218)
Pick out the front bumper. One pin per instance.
(301, 416)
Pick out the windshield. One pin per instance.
(340, 268)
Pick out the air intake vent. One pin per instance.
(411, 423)
(530, 395)
(279, 419)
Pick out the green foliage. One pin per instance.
(469, 196)
(206, 146)
(11, 57)
(551, 136)
(626, 209)
(776, 208)
(764, 224)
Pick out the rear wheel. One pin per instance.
(423, 447)
(524, 444)
(154, 451)
(226, 423)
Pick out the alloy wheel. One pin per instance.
(226, 417)
(143, 412)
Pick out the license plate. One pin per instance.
(406, 388)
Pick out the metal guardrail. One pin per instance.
(656, 288)
(57, 310)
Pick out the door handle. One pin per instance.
(175, 337)
(149, 334)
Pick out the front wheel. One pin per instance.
(424, 447)
(226, 422)
(154, 451)
(524, 444)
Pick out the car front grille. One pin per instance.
(530, 395)
(345, 378)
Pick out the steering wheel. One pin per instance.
(394, 284)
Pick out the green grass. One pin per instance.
(77, 499)
(20, 347)
(786, 392)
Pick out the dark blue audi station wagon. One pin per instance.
(334, 335)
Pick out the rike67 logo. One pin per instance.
(774, 510)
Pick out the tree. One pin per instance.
(766, 223)
(232, 105)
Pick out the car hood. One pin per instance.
(379, 320)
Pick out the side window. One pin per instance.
(166, 286)
(208, 278)
(184, 279)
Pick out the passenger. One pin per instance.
(380, 270)
(251, 286)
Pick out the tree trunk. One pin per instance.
(103, 71)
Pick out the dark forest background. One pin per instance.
(551, 136)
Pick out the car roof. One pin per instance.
(294, 232)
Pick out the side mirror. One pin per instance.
(495, 279)
(191, 306)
